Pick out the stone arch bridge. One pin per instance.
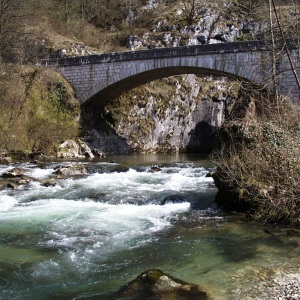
(97, 79)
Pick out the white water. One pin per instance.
(89, 235)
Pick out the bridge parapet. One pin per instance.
(156, 53)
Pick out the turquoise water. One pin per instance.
(89, 235)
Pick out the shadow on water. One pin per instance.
(240, 247)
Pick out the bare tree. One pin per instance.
(192, 11)
(285, 46)
(11, 17)
(250, 7)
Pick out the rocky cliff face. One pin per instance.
(195, 23)
(175, 114)
(182, 113)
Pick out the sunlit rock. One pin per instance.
(68, 149)
(72, 149)
(6, 160)
(72, 169)
(155, 284)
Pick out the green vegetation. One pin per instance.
(258, 163)
(38, 112)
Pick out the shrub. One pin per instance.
(37, 112)
(258, 164)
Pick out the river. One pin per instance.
(87, 236)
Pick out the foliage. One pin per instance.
(258, 165)
(36, 113)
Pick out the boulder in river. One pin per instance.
(98, 153)
(155, 284)
(155, 169)
(119, 169)
(70, 170)
(13, 173)
(49, 183)
(12, 185)
(6, 160)
(69, 149)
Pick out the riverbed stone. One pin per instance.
(98, 153)
(154, 169)
(85, 149)
(155, 284)
(119, 169)
(12, 185)
(13, 173)
(6, 160)
(70, 170)
(16, 175)
(49, 183)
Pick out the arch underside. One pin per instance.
(116, 89)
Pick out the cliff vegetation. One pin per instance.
(175, 114)
(258, 162)
(37, 110)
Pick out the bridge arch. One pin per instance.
(127, 81)
(97, 78)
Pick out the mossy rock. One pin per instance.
(155, 284)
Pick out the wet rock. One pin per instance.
(98, 153)
(6, 160)
(154, 169)
(174, 199)
(119, 169)
(49, 183)
(155, 284)
(12, 185)
(22, 181)
(8, 175)
(13, 182)
(15, 172)
(70, 170)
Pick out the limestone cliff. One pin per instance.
(175, 114)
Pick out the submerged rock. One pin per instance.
(155, 284)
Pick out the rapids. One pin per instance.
(88, 235)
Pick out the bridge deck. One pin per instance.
(183, 51)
